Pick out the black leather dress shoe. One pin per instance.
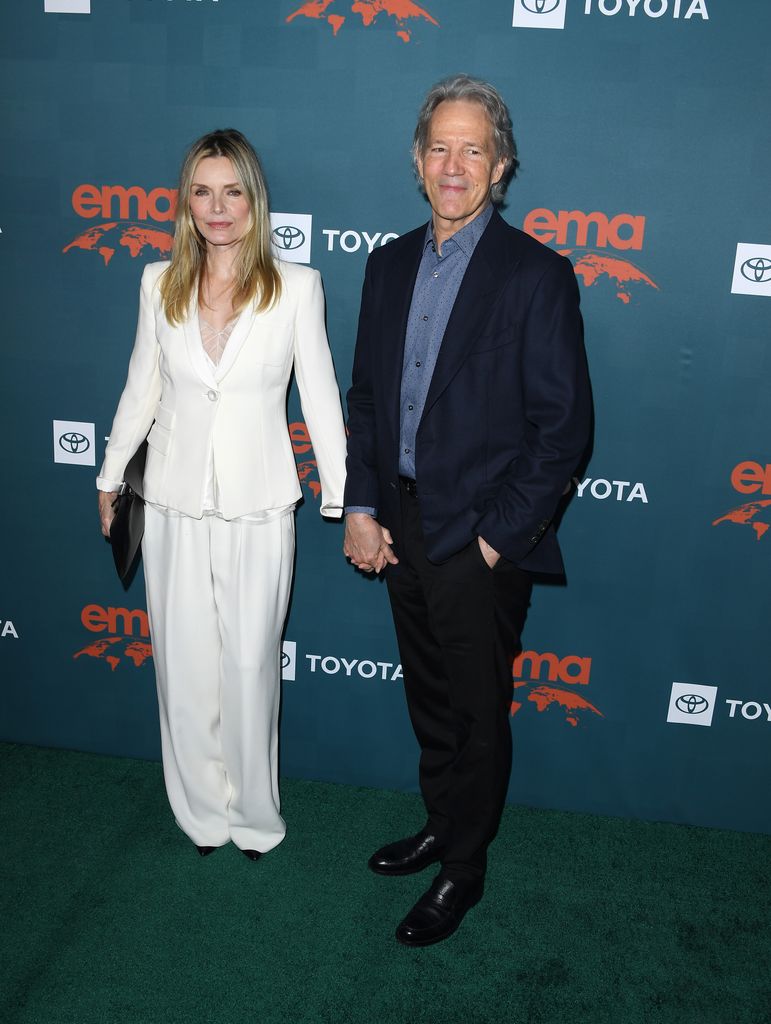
(252, 854)
(439, 912)
(406, 856)
(206, 850)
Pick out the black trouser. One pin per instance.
(458, 626)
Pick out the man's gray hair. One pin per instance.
(474, 90)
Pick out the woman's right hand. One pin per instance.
(106, 511)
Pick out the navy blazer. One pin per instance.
(507, 416)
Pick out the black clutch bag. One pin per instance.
(128, 526)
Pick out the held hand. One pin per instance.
(489, 554)
(367, 544)
(106, 511)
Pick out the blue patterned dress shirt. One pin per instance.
(436, 288)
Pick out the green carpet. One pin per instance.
(110, 916)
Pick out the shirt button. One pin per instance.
(410, 407)
(425, 318)
(418, 363)
(212, 396)
(436, 273)
(406, 451)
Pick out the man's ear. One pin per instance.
(498, 172)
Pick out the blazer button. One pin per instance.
(212, 396)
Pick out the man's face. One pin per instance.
(459, 165)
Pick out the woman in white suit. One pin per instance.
(220, 329)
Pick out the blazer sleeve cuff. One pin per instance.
(103, 484)
(332, 510)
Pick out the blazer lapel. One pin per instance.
(489, 269)
(194, 345)
(195, 349)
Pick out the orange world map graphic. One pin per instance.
(748, 515)
(368, 10)
(546, 697)
(107, 239)
(304, 471)
(592, 267)
(114, 649)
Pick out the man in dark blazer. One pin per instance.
(469, 411)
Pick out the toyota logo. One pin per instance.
(757, 269)
(285, 659)
(692, 704)
(541, 6)
(288, 237)
(74, 443)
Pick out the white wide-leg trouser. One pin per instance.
(217, 597)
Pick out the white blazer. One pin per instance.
(237, 412)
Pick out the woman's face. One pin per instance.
(218, 203)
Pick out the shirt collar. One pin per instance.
(467, 238)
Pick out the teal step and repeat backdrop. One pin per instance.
(643, 127)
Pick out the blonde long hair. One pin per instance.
(257, 278)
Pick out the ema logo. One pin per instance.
(539, 14)
(650, 8)
(125, 211)
(535, 670)
(291, 236)
(751, 478)
(74, 443)
(288, 660)
(588, 233)
(692, 704)
(752, 270)
(121, 643)
(67, 7)
(402, 11)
